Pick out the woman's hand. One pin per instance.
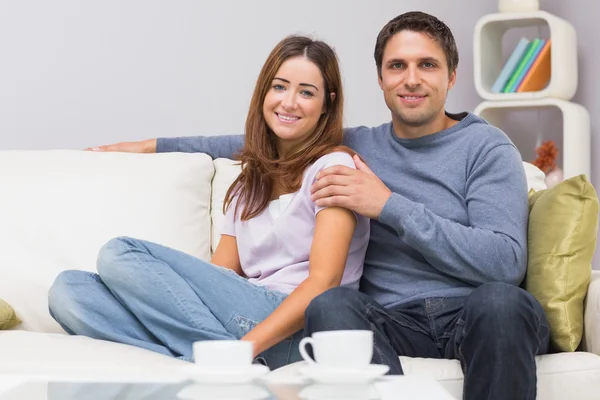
(144, 146)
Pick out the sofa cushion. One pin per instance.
(536, 179)
(563, 225)
(560, 376)
(64, 357)
(225, 173)
(592, 315)
(8, 317)
(59, 207)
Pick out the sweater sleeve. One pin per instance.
(223, 146)
(493, 247)
(226, 146)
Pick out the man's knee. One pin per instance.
(501, 304)
(334, 309)
(333, 299)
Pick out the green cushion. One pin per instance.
(8, 318)
(563, 226)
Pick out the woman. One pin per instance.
(277, 252)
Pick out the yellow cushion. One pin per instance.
(8, 318)
(563, 226)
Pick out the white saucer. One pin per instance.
(346, 375)
(230, 375)
(202, 391)
(340, 391)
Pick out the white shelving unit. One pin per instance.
(576, 128)
(489, 60)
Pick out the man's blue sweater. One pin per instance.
(457, 217)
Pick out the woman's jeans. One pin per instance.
(154, 297)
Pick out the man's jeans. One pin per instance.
(495, 333)
(163, 300)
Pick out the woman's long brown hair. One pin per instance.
(262, 166)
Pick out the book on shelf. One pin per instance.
(539, 74)
(529, 62)
(508, 88)
(510, 65)
(527, 69)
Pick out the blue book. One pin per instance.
(510, 65)
(535, 55)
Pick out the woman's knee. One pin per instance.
(111, 257)
(69, 289)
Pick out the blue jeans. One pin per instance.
(161, 299)
(496, 332)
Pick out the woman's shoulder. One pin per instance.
(336, 157)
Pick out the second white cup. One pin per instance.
(223, 354)
(339, 349)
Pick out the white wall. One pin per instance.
(80, 73)
(77, 73)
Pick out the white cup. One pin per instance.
(230, 354)
(339, 349)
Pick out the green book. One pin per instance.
(522, 64)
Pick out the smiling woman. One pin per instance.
(295, 118)
(278, 249)
(295, 102)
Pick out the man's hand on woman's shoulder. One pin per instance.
(143, 146)
(359, 190)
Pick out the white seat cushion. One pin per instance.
(62, 357)
(560, 376)
(58, 208)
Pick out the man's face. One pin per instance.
(415, 79)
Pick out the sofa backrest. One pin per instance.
(57, 208)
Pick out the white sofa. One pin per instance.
(57, 208)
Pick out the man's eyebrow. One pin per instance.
(301, 84)
(432, 60)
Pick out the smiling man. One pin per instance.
(415, 75)
(447, 198)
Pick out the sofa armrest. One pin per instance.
(592, 316)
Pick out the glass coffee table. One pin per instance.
(384, 389)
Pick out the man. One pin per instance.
(447, 198)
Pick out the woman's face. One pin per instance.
(295, 102)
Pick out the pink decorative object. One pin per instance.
(554, 177)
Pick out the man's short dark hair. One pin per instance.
(417, 21)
